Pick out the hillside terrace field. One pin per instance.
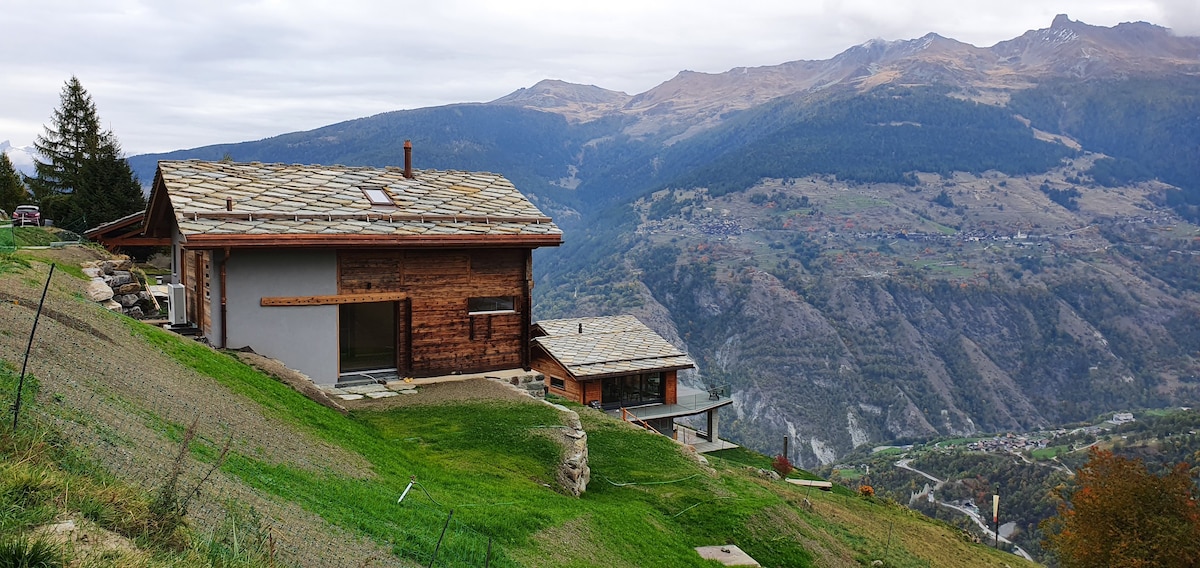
(325, 485)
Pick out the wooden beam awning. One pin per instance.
(125, 232)
(331, 300)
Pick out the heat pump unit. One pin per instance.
(176, 304)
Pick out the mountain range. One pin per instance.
(910, 239)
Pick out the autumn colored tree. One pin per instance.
(1120, 514)
(782, 465)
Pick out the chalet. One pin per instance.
(352, 273)
(619, 364)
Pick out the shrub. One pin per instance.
(781, 465)
(866, 490)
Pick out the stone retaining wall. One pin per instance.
(120, 287)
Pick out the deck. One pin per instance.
(688, 402)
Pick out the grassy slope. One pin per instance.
(491, 463)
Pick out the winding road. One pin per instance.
(988, 533)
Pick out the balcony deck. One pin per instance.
(688, 402)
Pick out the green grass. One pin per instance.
(33, 236)
(648, 504)
(452, 452)
(1050, 452)
(8, 240)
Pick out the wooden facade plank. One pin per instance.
(332, 299)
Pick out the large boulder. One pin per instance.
(121, 278)
(127, 300)
(98, 291)
(130, 288)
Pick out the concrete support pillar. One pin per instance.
(712, 425)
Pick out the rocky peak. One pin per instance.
(575, 101)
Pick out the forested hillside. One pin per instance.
(911, 239)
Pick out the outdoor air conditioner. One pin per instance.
(176, 304)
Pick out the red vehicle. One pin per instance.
(26, 215)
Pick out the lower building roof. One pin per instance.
(597, 347)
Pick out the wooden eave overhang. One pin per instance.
(125, 232)
(218, 241)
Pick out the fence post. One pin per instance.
(29, 347)
(439, 542)
(487, 560)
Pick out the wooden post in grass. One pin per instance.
(487, 560)
(439, 542)
(29, 347)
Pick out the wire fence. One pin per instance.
(139, 452)
(8, 239)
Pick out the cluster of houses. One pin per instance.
(358, 275)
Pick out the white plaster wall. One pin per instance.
(305, 338)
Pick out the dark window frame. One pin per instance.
(483, 305)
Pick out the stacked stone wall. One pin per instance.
(120, 287)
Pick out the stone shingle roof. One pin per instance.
(608, 346)
(293, 199)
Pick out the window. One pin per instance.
(497, 304)
(558, 383)
(377, 196)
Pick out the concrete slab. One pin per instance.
(729, 555)
(381, 394)
(350, 396)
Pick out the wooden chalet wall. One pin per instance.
(437, 334)
(586, 391)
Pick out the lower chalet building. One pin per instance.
(618, 364)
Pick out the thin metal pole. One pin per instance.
(439, 542)
(29, 347)
(888, 548)
(487, 560)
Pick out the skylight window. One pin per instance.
(377, 196)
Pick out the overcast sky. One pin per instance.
(167, 75)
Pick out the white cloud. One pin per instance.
(168, 75)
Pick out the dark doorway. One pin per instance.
(367, 336)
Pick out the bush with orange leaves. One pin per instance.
(866, 490)
(1120, 514)
(782, 465)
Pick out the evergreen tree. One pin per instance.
(12, 189)
(84, 181)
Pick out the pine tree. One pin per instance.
(84, 181)
(12, 189)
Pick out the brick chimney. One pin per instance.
(408, 173)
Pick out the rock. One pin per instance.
(131, 288)
(92, 272)
(127, 300)
(574, 472)
(135, 313)
(121, 278)
(108, 266)
(122, 264)
(350, 396)
(148, 302)
(98, 291)
(112, 305)
(381, 394)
